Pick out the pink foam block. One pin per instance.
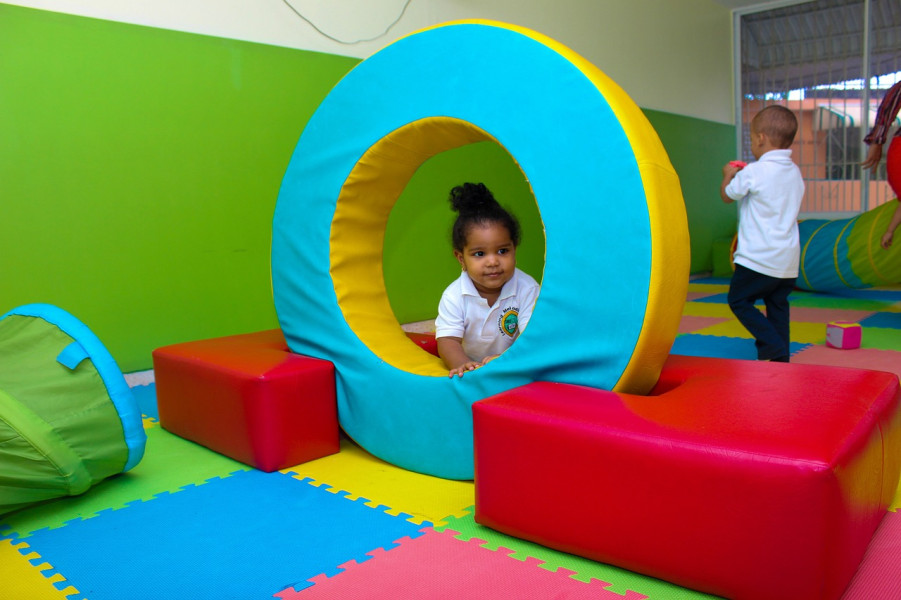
(742, 479)
(843, 335)
(248, 397)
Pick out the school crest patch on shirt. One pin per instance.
(509, 321)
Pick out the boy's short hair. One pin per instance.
(778, 123)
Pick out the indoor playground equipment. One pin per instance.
(602, 182)
(845, 253)
(742, 479)
(67, 417)
(253, 381)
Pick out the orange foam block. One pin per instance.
(743, 479)
(250, 398)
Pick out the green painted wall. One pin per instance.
(139, 170)
(698, 150)
(418, 258)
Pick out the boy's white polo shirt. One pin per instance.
(769, 194)
(486, 330)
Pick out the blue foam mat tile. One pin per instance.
(885, 320)
(145, 395)
(249, 535)
(723, 298)
(691, 344)
(868, 294)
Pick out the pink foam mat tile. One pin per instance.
(690, 324)
(879, 574)
(827, 315)
(860, 358)
(440, 567)
(690, 296)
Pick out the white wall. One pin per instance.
(668, 56)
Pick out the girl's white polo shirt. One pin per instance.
(486, 330)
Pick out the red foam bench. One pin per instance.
(248, 397)
(742, 479)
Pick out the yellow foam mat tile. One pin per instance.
(711, 288)
(801, 333)
(808, 333)
(23, 581)
(707, 309)
(355, 471)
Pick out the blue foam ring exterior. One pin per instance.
(557, 125)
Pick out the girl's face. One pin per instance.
(489, 257)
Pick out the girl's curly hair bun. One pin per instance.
(475, 205)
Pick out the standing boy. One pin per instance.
(769, 194)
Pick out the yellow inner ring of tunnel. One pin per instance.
(357, 235)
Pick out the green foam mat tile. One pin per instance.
(802, 299)
(708, 288)
(880, 338)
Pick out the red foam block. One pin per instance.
(743, 479)
(426, 341)
(248, 397)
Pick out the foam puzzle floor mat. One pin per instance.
(190, 523)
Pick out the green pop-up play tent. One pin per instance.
(67, 416)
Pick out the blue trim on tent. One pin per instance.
(72, 355)
(116, 386)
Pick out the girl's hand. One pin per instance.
(886, 240)
(467, 366)
(874, 155)
(488, 359)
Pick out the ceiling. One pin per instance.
(815, 42)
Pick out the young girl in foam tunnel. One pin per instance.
(484, 310)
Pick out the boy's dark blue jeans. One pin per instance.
(771, 331)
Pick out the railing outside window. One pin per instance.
(813, 58)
